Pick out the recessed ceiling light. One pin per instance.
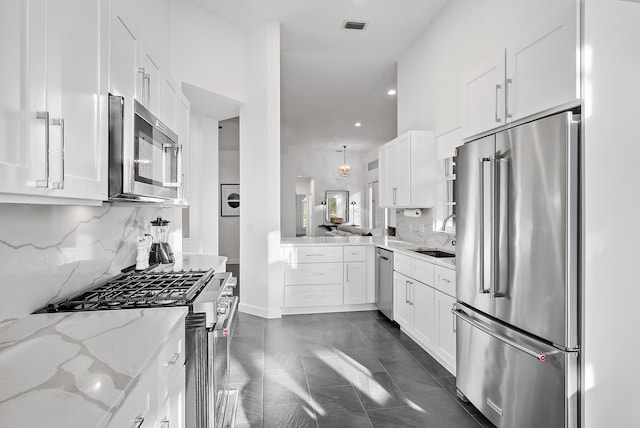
(357, 124)
(391, 92)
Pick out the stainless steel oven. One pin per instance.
(145, 159)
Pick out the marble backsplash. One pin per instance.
(51, 252)
(419, 230)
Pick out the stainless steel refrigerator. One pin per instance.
(517, 273)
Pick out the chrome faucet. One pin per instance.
(446, 219)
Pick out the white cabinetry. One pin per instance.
(537, 72)
(52, 113)
(158, 397)
(407, 170)
(445, 337)
(149, 85)
(328, 276)
(423, 298)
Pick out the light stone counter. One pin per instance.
(326, 241)
(406, 248)
(73, 370)
(389, 243)
(187, 261)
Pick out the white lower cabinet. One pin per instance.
(329, 276)
(171, 413)
(355, 283)
(424, 321)
(414, 302)
(445, 338)
(423, 307)
(402, 310)
(157, 400)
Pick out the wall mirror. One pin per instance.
(337, 206)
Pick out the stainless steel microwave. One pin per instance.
(145, 159)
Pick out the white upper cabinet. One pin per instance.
(53, 117)
(150, 83)
(483, 97)
(169, 109)
(543, 67)
(407, 168)
(538, 71)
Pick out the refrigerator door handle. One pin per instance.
(495, 228)
(483, 289)
(538, 355)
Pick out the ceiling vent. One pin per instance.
(354, 25)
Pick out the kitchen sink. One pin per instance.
(435, 253)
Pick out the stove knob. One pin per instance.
(223, 305)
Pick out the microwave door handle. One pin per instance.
(177, 148)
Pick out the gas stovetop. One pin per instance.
(138, 289)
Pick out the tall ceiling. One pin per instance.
(332, 78)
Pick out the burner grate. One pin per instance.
(146, 289)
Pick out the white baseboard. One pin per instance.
(328, 309)
(259, 311)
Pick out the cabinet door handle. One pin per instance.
(173, 360)
(406, 292)
(412, 290)
(44, 115)
(141, 72)
(60, 184)
(347, 273)
(498, 87)
(137, 422)
(164, 423)
(147, 97)
(506, 97)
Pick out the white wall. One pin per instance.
(204, 186)
(322, 166)
(207, 51)
(229, 227)
(260, 176)
(611, 205)
(462, 37)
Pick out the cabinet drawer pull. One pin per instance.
(315, 255)
(315, 274)
(137, 422)
(174, 358)
(164, 423)
(445, 280)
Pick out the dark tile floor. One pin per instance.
(354, 369)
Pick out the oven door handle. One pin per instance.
(223, 327)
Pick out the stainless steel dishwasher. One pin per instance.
(384, 281)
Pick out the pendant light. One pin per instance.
(344, 169)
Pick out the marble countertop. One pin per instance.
(326, 241)
(186, 261)
(390, 243)
(73, 370)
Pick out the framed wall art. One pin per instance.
(229, 200)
